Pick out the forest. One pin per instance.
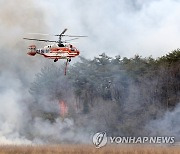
(119, 95)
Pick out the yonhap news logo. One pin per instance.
(100, 139)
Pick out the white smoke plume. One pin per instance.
(17, 71)
(167, 125)
(125, 27)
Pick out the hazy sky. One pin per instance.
(125, 27)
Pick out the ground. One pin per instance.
(85, 149)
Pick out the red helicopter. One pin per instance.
(59, 50)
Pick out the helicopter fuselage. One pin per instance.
(54, 51)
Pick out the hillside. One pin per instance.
(123, 96)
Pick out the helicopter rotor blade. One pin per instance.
(60, 37)
(63, 31)
(61, 34)
(42, 40)
(71, 39)
(68, 42)
(75, 35)
(72, 35)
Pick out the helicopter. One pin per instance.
(59, 50)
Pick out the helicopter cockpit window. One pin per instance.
(31, 48)
(72, 48)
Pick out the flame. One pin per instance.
(63, 108)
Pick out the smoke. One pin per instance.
(125, 27)
(168, 124)
(17, 70)
(117, 26)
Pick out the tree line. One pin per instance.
(118, 94)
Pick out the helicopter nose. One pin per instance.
(32, 50)
(31, 53)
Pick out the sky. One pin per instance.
(118, 27)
